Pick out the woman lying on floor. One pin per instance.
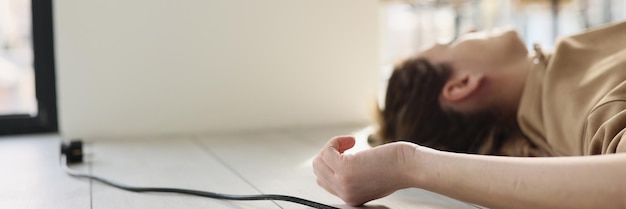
(561, 116)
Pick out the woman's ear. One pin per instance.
(461, 87)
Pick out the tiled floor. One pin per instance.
(273, 162)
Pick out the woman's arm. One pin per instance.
(510, 182)
(495, 182)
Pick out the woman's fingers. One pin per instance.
(320, 168)
(324, 174)
(331, 153)
(329, 160)
(349, 177)
(341, 143)
(345, 143)
(327, 186)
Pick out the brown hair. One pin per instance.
(412, 113)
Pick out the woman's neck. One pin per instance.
(507, 86)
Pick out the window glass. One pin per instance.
(17, 81)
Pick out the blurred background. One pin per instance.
(147, 67)
(17, 92)
(409, 25)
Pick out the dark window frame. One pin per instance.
(45, 81)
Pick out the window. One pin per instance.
(411, 25)
(27, 76)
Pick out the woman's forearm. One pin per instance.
(511, 182)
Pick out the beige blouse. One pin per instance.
(574, 102)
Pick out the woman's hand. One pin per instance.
(366, 175)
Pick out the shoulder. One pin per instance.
(606, 123)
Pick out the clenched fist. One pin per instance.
(367, 175)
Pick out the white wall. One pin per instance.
(147, 67)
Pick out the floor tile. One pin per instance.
(272, 162)
(170, 162)
(32, 176)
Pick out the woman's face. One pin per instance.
(486, 50)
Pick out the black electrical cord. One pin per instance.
(73, 155)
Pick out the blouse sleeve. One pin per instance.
(605, 129)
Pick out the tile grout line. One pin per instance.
(89, 166)
(475, 206)
(221, 161)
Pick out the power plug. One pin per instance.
(73, 151)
